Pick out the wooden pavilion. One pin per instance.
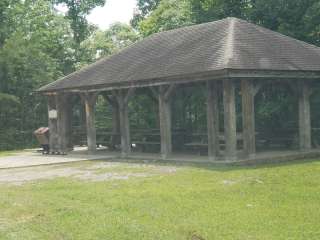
(218, 55)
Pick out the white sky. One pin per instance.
(113, 11)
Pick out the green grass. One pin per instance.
(196, 202)
(7, 153)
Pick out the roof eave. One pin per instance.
(195, 77)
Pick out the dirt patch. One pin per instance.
(94, 171)
(110, 176)
(248, 180)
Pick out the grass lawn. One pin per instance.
(7, 153)
(193, 202)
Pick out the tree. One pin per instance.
(104, 43)
(38, 47)
(4, 19)
(144, 8)
(35, 50)
(77, 12)
(168, 15)
(210, 10)
(295, 18)
(10, 107)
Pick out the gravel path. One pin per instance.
(31, 158)
(85, 171)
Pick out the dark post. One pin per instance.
(230, 130)
(304, 116)
(123, 97)
(212, 119)
(248, 119)
(90, 102)
(165, 123)
(53, 123)
(64, 122)
(165, 95)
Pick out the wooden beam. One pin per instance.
(213, 119)
(248, 117)
(129, 94)
(115, 139)
(64, 122)
(165, 121)
(256, 88)
(90, 102)
(169, 91)
(123, 97)
(230, 130)
(53, 124)
(155, 92)
(164, 95)
(304, 116)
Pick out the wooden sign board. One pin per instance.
(53, 114)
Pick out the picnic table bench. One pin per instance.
(277, 138)
(200, 145)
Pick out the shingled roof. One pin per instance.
(208, 48)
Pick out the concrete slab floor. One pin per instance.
(33, 158)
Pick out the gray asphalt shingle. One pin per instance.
(229, 43)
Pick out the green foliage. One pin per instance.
(277, 108)
(104, 43)
(37, 46)
(103, 114)
(144, 111)
(10, 105)
(189, 109)
(144, 8)
(210, 10)
(77, 11)
(35, 51)
(168, 15)
(296, 18)
(31, 52)
(7, 99)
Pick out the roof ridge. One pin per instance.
(229, 43)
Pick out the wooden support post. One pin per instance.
(212, 119)
(304, 116)
(115, 120)
(248, 117)
(82, 114)
(64, 122)
(123, 97)
(165, 94)
(230, 129)
(53, 124)
(90, 102)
